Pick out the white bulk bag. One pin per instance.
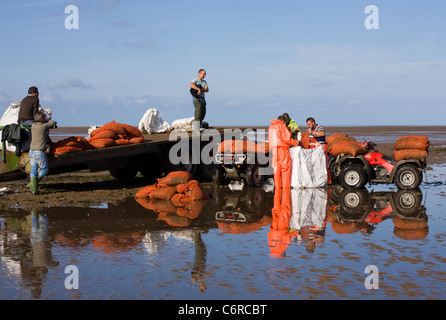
(151, 122)
(308, 168)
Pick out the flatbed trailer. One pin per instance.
(150, 158)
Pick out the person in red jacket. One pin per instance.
(280, 141)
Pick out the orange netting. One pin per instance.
(71, 144)
(334, 141)
(411, 147)
(334, 136)
(243, 146)
(412, 142)
(115, 134)
(351, 147)
(410, 154)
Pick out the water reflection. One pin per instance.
(303, 217)
(26, 250)
(351, 211)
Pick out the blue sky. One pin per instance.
(263, 58)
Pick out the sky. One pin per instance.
(262, 58)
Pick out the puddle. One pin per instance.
(242, 244)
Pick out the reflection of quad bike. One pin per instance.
(375, 167)
(239, 166)
(247, 207)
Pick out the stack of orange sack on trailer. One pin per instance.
(71, 144)
(115, 134)
(176, 198)
(411, 147)
(243, 146)
(341, 143)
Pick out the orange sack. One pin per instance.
(334, 136)
(175, 178)
(71, 144)
(336, 140)
(412, 142)
(164, 193)
(145, 192)
(350, 147)
(113, 134)
(410, 154)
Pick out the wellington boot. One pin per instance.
(33, 185)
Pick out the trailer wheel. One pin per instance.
(352, 176)
(408, 177)
(124, 174)
(253, 176)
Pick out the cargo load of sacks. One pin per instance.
(411, 147)
(108, 135)
(243, 146)
(341, 143)
(176, 198)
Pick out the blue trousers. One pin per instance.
(38, 161)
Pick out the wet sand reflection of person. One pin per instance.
(27, 243)
(198, 271)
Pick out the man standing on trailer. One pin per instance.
(198, 87)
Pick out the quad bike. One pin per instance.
(240, 166)
(374, 167)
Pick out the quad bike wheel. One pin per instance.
(253, 176)
(352, 176)
(220, 177)
(408, 177)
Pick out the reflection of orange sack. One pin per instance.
(163, 206)
(174, 220)
(345, 228)
(178, 199)
(409, 224)
(411, 234)
(145, 203)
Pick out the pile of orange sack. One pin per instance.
(115, 134)
(338, 143)
(108, 135)
(411, 147)
(243, 146)
(176, 198)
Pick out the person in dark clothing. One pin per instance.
(28, 107)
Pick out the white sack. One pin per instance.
(151, 122)
(308, 168)
(308, 208)
(182, 125)
(11, 114)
